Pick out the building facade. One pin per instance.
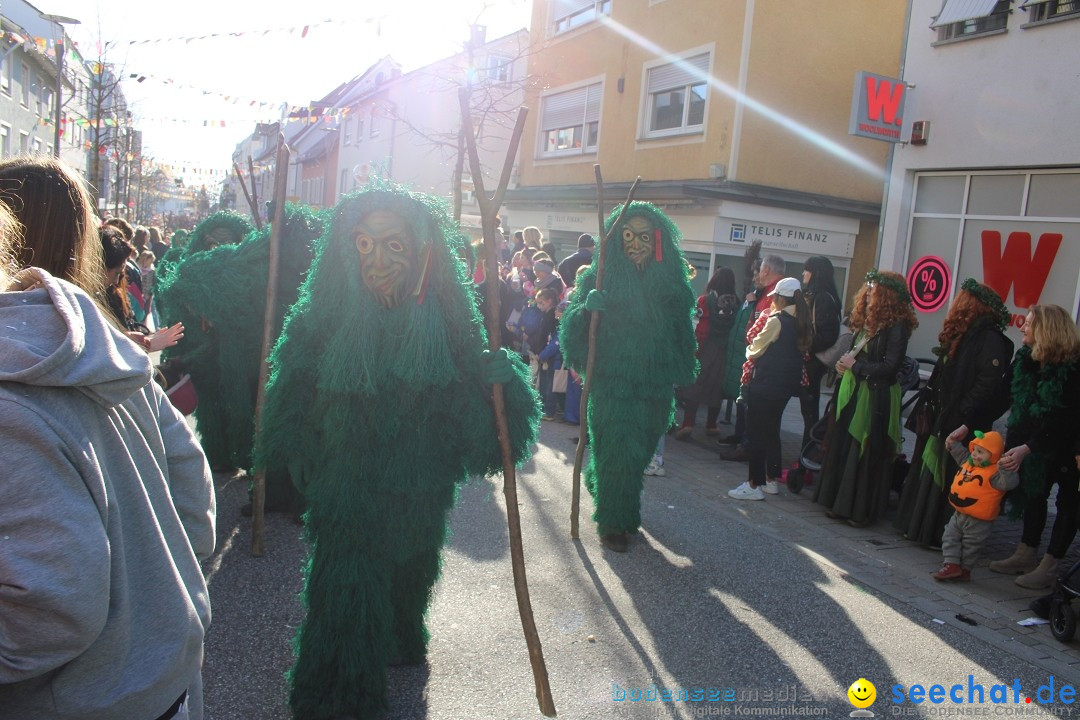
(734, 115)
(990, 186)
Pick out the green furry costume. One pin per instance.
(220, 294)
(221, 228)
(645, 347)
(379, 409)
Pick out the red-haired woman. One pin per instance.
(967, 387)
(864, 439)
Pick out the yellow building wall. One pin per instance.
(803, 60)
(802, 63)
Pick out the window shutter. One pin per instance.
(690, 71)
(565, 109)
(592, 104)
(959, 10)
(562, 8)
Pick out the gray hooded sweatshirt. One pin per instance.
(106, 508)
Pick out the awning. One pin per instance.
(955, 11)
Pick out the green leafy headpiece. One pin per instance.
(990, 299)
(876, 278)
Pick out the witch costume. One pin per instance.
(645, 348)
(379, 404)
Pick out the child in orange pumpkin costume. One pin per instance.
(976, 494)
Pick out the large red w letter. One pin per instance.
(883, 98)
(1016, 267)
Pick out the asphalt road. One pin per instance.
(742, 604)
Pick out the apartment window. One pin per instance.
(570, 121)
(37, 146)
(5, 74)
(5, 140)
(1042, 10)
(675, 96)
(24, 142)
(344, 180)
(359, 129)
(373, 128)
(965, 18)
(47, 101)
(24, 82)
(497, 69)
(346, 128)
(570, 14)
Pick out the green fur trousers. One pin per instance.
(374, 562)
(624, 434)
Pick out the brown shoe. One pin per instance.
(712, 431)
(684, 432)
(615, 541)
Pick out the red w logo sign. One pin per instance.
(1015, 268)
(883, 99)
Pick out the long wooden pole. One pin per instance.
(247, 195)
(489, 208)
(255, 190)
(594, 324)
(258, 493)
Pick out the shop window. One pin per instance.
(675, 98)
(940, 195)
(1054, 195)
(995, 194)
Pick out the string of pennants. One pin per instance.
(292, 30)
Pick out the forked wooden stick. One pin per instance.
(489, 207)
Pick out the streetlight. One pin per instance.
(61, 21)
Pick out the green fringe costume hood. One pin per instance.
(220, 295)
(236, 225)
(379, 413)
(645, 348)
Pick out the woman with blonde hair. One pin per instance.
(969, 387)
(533, 237)
(864, 439)
(1043, 428)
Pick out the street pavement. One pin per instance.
(764, 608)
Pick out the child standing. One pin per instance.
(548, 356)
(976, 494)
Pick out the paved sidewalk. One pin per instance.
(879, 557)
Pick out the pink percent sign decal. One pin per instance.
(928, 280)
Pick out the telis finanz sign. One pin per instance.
(877, 107)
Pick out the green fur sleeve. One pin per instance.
(574, 325)
(481, 452)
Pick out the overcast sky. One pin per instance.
(191, 85)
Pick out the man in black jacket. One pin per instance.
(568, 268)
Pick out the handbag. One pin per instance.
(559, 380)
(830, 355)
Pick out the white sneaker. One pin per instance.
(771, 487)
(745, 492)
(656, 469)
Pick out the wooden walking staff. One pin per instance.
(247, 195)
(258, 493)
(594, 324)
(489, 208)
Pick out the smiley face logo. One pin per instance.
(862, 693)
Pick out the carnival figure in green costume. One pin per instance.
(221, 294)
(379, 404)
(222, 228)
(645, 347)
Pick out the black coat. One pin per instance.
(824, 321)
(971, 388)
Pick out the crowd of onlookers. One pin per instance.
(787, 335)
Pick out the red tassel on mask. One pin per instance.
(425, 275)
(658, 245)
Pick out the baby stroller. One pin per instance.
(1062, 616)
(813, 453)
